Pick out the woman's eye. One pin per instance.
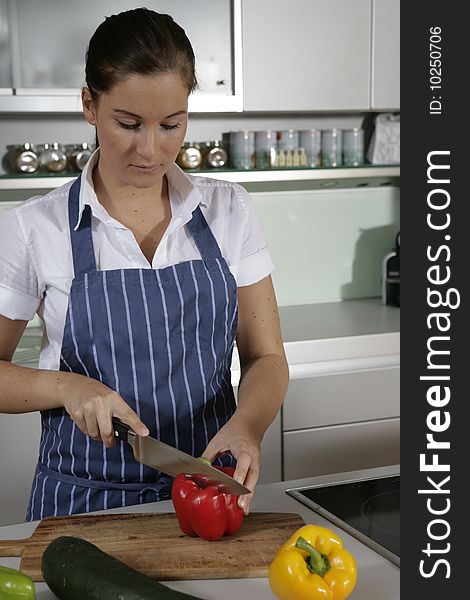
(128, 125)
(170, 127)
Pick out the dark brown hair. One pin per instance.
(138, 41)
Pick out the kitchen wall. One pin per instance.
(328, 245)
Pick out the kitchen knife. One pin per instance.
(171, 461)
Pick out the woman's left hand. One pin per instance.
(237, 438)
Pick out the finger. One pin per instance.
(243, 464)
(80, 423)
(128, 416)
(244, 502)
(251, 480)
(105, 426)
(92, 426)
(213, 451)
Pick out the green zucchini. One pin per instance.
(75, 569)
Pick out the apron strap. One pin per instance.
(82, 241)
(163, 482)
(81, 238)
(203, 236)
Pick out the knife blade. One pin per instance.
(171, 461)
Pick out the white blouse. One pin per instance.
(36, 266)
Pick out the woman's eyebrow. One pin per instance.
(131, 114)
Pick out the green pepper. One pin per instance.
(15, 584)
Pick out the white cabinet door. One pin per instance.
(5, 60)
(385, 88)
(348, 397)
(19, 448)
(47, 62)
(309, 55)
(340, 448)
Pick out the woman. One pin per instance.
(143, 276)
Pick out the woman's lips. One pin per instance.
(145, 168)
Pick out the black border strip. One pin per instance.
(434, 135)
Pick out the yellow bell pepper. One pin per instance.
(311, 565)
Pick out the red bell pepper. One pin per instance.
(205, 512)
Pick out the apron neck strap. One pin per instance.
(203, 236)
(81, 238)
(82, 241)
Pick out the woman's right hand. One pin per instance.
(92, 404)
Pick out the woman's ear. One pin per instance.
(88, 106)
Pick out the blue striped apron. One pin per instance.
(163, 339)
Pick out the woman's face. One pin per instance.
(141, 124)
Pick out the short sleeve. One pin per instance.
(255, 261)
(19, 293)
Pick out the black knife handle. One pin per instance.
(121, 430)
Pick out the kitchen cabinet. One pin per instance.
(342, 408)
(47, 62)
(320, 400)
(313, 56)
(5, 58)
(341, 448)
(322, 55)
(385, 80)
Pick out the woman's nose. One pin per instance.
(147, 143)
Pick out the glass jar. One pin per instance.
(265, 148)
(331, 147)
(310, 141)
(288, 139)
(189, 156)
(21, 158)
(216, 157)
(353, 147)
(52, 157)
(242, 149)
(79, 156)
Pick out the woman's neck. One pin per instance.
(146, 212)
(120, 199)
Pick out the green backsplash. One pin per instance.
(328, 245)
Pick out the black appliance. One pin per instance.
(391, 275)
(368, 509)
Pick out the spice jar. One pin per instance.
(21, 158)
(331, 147)
(215, 156)
(242, 149)
(79, 156)
(52, 158)
(265, 148)
(189, 156)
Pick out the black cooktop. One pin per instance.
(368, 509)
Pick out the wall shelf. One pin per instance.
(387, 173)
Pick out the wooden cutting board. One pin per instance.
(154, 544)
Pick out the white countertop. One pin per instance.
(346, 318)
(378, 579)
